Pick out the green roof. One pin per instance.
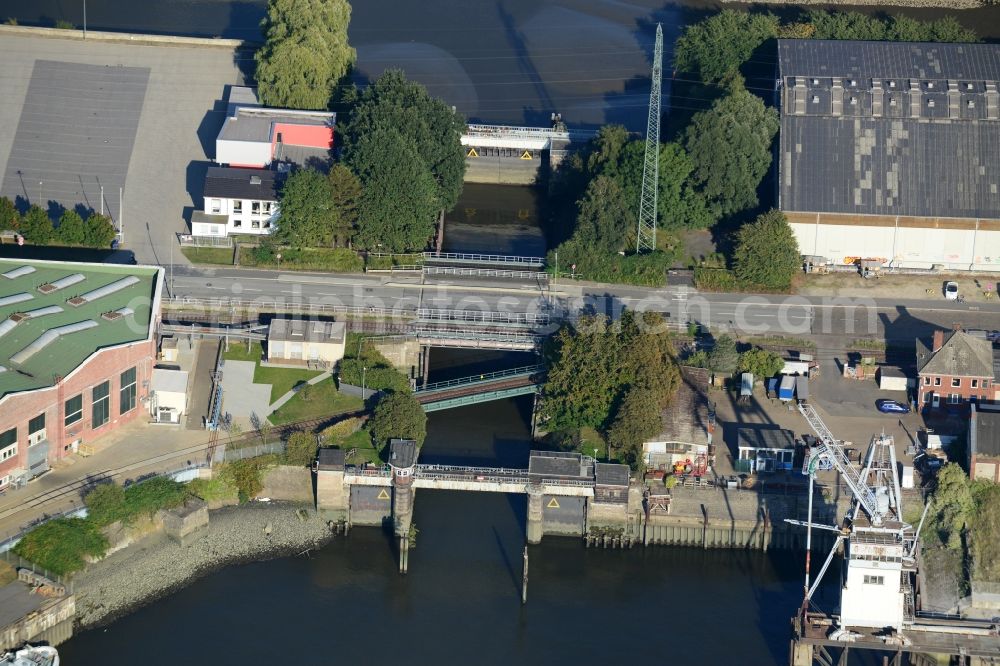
(44, 343)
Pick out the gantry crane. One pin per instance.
(876, 589)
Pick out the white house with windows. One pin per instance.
(238, 201)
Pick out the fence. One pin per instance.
(225, 454)
(187, 240)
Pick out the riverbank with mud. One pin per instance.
(158, 566)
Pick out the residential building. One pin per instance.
(77, 347)
(764, 450)
(957, 369)
(257, 137)
(984, 442)
(688, 425)
(238, 201)
(305, 342)
(890, 151)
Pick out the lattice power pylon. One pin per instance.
(646, 237)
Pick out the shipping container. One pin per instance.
(802, 389)
(786, 389)
(907, 480)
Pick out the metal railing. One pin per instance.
(459, 271)
(384, 470)
(485, 377)
(484, 258)
(481, 317)
(500, 131)
(456, 470)
(180, 302)
(232, 455)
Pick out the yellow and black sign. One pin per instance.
(553, 504)
(472, 153)
(526, 155)
(383, 494)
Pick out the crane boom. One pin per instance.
(835, 452)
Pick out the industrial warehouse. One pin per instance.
(891, 152)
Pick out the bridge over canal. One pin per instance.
(485, 387)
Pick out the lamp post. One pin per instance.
(364, 391)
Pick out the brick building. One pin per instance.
(957, 368)
(984, 443)
(77, 347)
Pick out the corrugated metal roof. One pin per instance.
(235, 183)
(885, 128)
(987, 431)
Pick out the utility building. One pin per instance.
(890, 151)
(77, 347)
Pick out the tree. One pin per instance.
(398, 415)
(306, 217)
(760, 362)
(398, 205)
(730, 147)
(71, 229)
(717, 47)
(431, 128)
(300, 449)
(99, 231)
(10, 219)
(345, 196)
(723, 358)
(637, 420)
(953, 506)
(606, 223)
(766, 253)
(305, 52)
(36, 226)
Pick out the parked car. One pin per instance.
(951, 291)
(891, 407)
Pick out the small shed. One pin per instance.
(611, 483)
(765, 449)
(891, 379)
(168, 401)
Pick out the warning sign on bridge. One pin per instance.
(383, 494)
(553, 504)
(472, 153)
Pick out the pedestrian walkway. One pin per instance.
(291, 394)
(132, 451)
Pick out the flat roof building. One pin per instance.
(302, 341)
(890, 151)
(77, 345)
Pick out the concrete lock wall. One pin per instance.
(503, 166)
(370, 505)
(402, 355)
(564, 515)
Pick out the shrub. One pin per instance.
(62, 545)
(213, 489)
(342, 429)
(398, 414)
(247, 475)
(714, 279)
(148, 497)
(106, 504)
(301, 449)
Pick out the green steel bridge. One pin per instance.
(484, 387)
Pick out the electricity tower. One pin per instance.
(646, 237)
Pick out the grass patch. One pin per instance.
(209, 255)
(380, 374)
(868, 343)
(322, 399)
(282, 380)
(8, 574)
(384, 263)
(715, 279)
(359, 447)
(778, 341)
(238, 351)
(213, 490)
(334, 260)
(62, 545)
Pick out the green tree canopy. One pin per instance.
(398, 205)
(636, 421)
(306, 216)
(431, 128)
(99, 231)
(398, 415)
(854, 25)
(715, 48)
(305, 52)
(106, 503)
(723, 358)
(766, 254)
(730, 147)
(71, 229)
(760, 362)
(10, 219)
(36, 226)
(953, 507)
(345, 194)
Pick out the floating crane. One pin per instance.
(879, 552)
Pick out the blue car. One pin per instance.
(891, 407)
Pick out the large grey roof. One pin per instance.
(557, 464)
(961, 355)
(770, 438)
(234, 183)
(883, 128)
(687, 418)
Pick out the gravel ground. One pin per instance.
(157, 566)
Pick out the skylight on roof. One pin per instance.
(48, 337)
(61, 283)
(15, 298)
(18, 272)
(106, 290)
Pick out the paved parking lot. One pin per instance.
(181, 113)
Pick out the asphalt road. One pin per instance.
(833, 319)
